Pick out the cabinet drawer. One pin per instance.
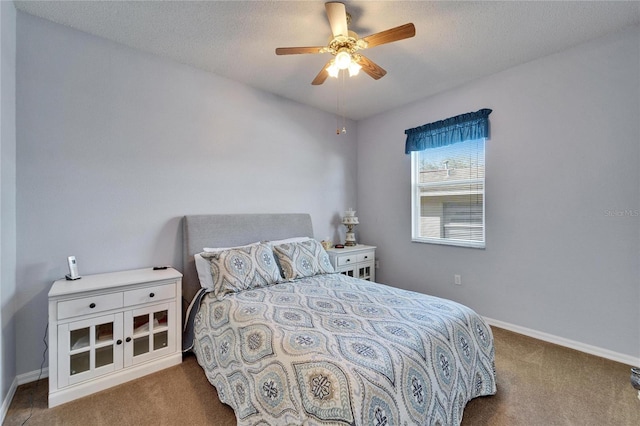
(89, 305)
(365, 257)
(149, 294)
(346, 260)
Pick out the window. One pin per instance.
(447, 186)
(447, 179)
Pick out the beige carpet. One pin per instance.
(538, 384)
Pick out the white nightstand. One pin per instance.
(107, 329)
(356, 261)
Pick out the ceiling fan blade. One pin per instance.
(391, 35)
(297, 50)
(322, 75)
(371, 68)
(337, 14)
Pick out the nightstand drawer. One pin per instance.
(347, 260)
(365, 257)
(89, 305)
(149, 294)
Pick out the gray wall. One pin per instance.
(8, 196)
(115, 145)
(562, 163)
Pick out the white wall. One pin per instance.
(563, 157)
(115, 145)
(7, 198)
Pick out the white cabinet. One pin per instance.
(107, 329)
(356, 261)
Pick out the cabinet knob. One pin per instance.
(128, 339)
(348, 260)
(118, 342)
(366, 257)
(151, 294)
(93, 305)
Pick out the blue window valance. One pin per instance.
(463, 127)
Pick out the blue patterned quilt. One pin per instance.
(332, 349)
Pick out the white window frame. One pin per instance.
(416, 205)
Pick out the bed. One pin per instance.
(320, 347)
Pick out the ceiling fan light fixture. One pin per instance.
(345, 44)
(354, 68)
(343, 59)
(333, 70)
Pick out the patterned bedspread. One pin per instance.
(332, 349)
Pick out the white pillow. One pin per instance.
(218, 249)
(288, 241)
(204, 272)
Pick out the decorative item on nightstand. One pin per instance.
(350, 220)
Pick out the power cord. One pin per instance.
(33, 390)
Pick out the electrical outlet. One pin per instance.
(377, 264)
(457, 279)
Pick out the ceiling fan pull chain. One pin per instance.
(344, 108)
(344, 97)
(338, 109)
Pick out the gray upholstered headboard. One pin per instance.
(228, 230)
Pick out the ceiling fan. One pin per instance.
(344, 46)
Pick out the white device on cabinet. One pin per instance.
(73, 269)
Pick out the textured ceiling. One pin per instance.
(455, 42)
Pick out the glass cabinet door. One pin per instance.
(89, 348)
(364, 271)
(348, 272)
(149, 333)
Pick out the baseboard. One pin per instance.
(572, 344)
(20, 379)
(7, 399)
(32, 376)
